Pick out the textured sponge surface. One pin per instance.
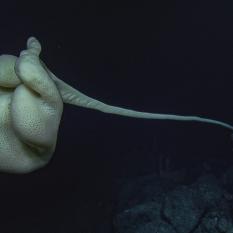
(31, 109)
(8, 77)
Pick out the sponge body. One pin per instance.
(31, 106)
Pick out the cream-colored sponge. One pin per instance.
(31, 105)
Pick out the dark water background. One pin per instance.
(165, 57)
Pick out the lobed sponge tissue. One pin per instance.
(31, 105)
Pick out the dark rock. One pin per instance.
(181, 209)
(131, 220)
(156, 205)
